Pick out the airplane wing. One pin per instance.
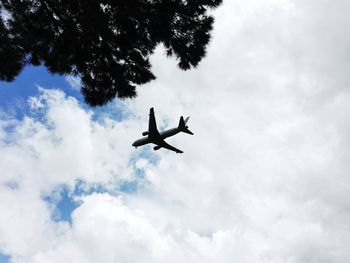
(154, 133)
(163, 144)
(152, 125)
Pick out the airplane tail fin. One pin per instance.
(183, 127)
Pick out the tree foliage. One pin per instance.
(106, 42)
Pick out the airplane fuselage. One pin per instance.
(156, 137)
(148, 139)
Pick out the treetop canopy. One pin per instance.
(106, 43)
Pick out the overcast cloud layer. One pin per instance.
(265, 178)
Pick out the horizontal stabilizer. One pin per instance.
(188, 131)
(182, 125)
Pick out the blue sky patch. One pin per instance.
(62, 203)
(4, 258)
(14, 95)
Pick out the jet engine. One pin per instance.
(157, 147)
(145, 133)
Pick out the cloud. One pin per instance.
(264, 178)
(122, 234)
(74, 82)
(56, 144)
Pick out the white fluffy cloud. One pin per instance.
(264, 178)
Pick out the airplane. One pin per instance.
(156, 137)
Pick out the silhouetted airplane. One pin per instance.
(153, 135)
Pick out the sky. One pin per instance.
(265, 178)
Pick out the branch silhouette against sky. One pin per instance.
(106, 43)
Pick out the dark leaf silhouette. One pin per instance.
(107, 43)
